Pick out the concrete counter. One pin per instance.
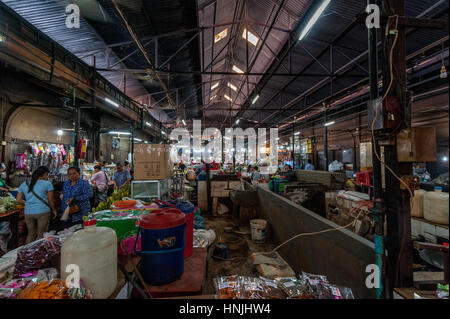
(341, 255)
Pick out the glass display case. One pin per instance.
(152, 189)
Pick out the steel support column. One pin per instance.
(325, 142)
(377, 191)
(399, 266)
(293, 143)
(132, 146)
(76, 135)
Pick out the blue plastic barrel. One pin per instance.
(163, 242)
(188, 209)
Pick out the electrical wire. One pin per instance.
(364, 203)
(388, 90)
(376, 115)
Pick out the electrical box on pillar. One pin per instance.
(387, 116)
(82, 149)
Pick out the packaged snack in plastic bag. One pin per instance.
(228, 287)
(12, 288)
(9, 293)
(253, 288)
(79, 293)
(43, 253)
(272, 291)
(54, 289)
(312, 282)
(313, 279)
(291, 286)
(46, 274)
(330, 291)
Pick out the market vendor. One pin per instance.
(77, 194)
(256, 175)
(39, 203)
(3, 174)
(99, 181)
(121, 177)
(309, 166)
(4, 189)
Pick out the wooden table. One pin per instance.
(189, 284)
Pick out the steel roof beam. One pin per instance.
(260, 48)
(298, 98)
(179, 50)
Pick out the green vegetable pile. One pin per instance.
(7, 204)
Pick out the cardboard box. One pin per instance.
(152, 161)
(219, 186)
(417, 144)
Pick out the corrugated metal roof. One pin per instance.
(100, 25)
(50, 17)
(352, 44)
(259, 14)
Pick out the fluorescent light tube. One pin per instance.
(119, 133)
(111, 102)
(314, 19)
(237, 70)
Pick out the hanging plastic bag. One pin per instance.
(66, 214)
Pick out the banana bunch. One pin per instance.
(116, 196)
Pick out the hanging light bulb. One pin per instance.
(443, 72)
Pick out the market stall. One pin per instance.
(29, 155)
